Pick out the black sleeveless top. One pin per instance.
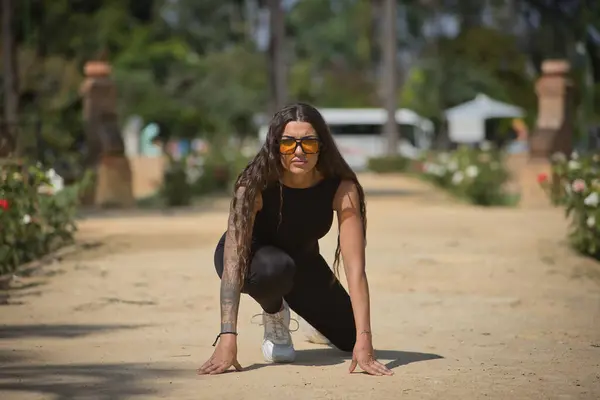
(306, 216)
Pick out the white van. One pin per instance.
(359, 133)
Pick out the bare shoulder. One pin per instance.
(346, 195)
(239, 196)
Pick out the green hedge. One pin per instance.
(190, 177)
(388, 164)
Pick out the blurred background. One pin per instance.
(200, 74)
(162, 101)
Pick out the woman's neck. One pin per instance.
(302, 181)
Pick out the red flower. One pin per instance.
(542, 178)
(4, 204)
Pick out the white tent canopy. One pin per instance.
(466, 122)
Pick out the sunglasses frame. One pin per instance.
(299, 143)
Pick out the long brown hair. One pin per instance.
(266, 168)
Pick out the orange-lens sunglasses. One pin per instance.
(309, 145)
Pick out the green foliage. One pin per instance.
(479, 60)
(193, 175)
(496, 53)
(575, 185)
(339, 71)
(476, 175)
(389, 164)
(37, 214)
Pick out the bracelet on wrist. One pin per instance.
(223, 333)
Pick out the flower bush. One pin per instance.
(37, 213)
(475, 174)
(575, 184)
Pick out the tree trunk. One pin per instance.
(389, 51)
(277, 67)
(11, 99)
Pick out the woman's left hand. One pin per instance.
(363, 356)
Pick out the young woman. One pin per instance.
(283, 204)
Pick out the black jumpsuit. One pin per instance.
(286, 262)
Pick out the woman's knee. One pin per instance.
(272, 270)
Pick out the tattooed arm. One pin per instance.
(225, 354)
(230, 281)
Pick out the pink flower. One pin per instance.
(542, 178)
(4, 204)
(578, 185)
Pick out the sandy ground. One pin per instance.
(467, 303)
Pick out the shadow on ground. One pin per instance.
(13, 356)
(84, 381)
(329, 356)
(16, 295)
(58, 331)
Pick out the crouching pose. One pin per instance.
(283, 204)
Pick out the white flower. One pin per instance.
(568, 190)
(457, 178)
(440, 170)
(558, 157)
(592, 200)
(56, 181)
(452, 166)
(193, 174)
(574, 155)
(591, 221)
(573, 165)
(444, 157)
(472, 171)
(26, 219)
(434, 169)
(485, 145)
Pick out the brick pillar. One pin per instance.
(554, 126)
(106, 150)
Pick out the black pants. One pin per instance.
(306, 283)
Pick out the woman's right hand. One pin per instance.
(223, 358)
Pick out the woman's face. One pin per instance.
(299, 147)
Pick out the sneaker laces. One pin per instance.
(279, 324)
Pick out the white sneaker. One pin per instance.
(311, 334)
(277, 346)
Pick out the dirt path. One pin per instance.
(468, 303)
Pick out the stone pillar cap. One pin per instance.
(97, 69)
(552, 67)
